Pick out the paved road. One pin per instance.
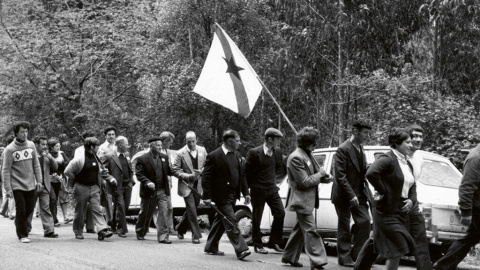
(116, 253)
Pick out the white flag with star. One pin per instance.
(227, 78)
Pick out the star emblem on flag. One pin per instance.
(232, 67)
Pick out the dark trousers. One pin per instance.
(121, 203)
(24, 205)
(304, 234)
(219, 225)
(189, 219)
(461, 247)
(347, 253)
(147, 206)
(53, 202)
(271, 197)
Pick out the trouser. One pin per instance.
(271, 197)
(147, 206)
(189, 219)
(53, 203)
(83, 195)
(44, 200)
(219, 225)
(346, 252)
(304, 235)
(460, 248)
(8, 204)
(24, 206)
(121, 203)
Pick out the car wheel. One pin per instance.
(244, 221)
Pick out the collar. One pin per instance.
(400, 156)
(109, 145)
(267, 150)
(359, 147)
(225, 150)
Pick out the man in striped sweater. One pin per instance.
(23, 176)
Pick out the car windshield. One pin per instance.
(438, 173)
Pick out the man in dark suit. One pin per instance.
(119, 166)
(222, 182)
(187, 167)
(261, 168)
(304, 176)
(152, 171)
(469, 204)
(351, 195)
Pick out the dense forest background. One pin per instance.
(133, 64)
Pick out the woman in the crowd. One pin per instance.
(392, 177)
(58, 181)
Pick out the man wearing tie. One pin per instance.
(222, 182)
(262, 166)
(119, 166)
(351, 195)
(187, 167)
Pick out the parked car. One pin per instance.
(437, 191)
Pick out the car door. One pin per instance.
(325, 215)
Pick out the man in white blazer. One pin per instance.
(187, 167)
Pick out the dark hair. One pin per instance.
(229, 134)
(109, 129)
(307, 136)
(20, 124)
(52, 142)
(165, 135)
(91, 141)
(88, 133)
(10, 139)
(2, 145)
(359, 124)
(39, 138)
(413, 128)
(397, 136)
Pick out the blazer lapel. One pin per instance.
(353, 156)
(117, 161)
(307, 161)
(188, 160)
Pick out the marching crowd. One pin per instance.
(100, 176)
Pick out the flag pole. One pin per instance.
(278, 105)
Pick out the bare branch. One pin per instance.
(117, 96)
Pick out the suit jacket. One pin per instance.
(387, 178)
(349, 175)
(253, 164)
(49, 166)
(469, 190)
(145, 172)
(183, 169)
(112, 163)
(304, 175)
(216, 178)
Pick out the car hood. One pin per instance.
(437, 195)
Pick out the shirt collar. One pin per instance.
(267, 150)
(400, 156)
(225, 150)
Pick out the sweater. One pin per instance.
(21, 166)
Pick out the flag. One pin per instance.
(227, 78)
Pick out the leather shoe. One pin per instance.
(180, 236)
(215, 253)
(277, 248)
(317, 267)
(122, 235)
(260, 250)
(51, 235)
(165, 241)
(244, 254)
(105, 233)
(79, 236)
(139, 237)
(196, 241)
(294, 264)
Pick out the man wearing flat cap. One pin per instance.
(263, 165)
(351, 195)
(152, 170)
